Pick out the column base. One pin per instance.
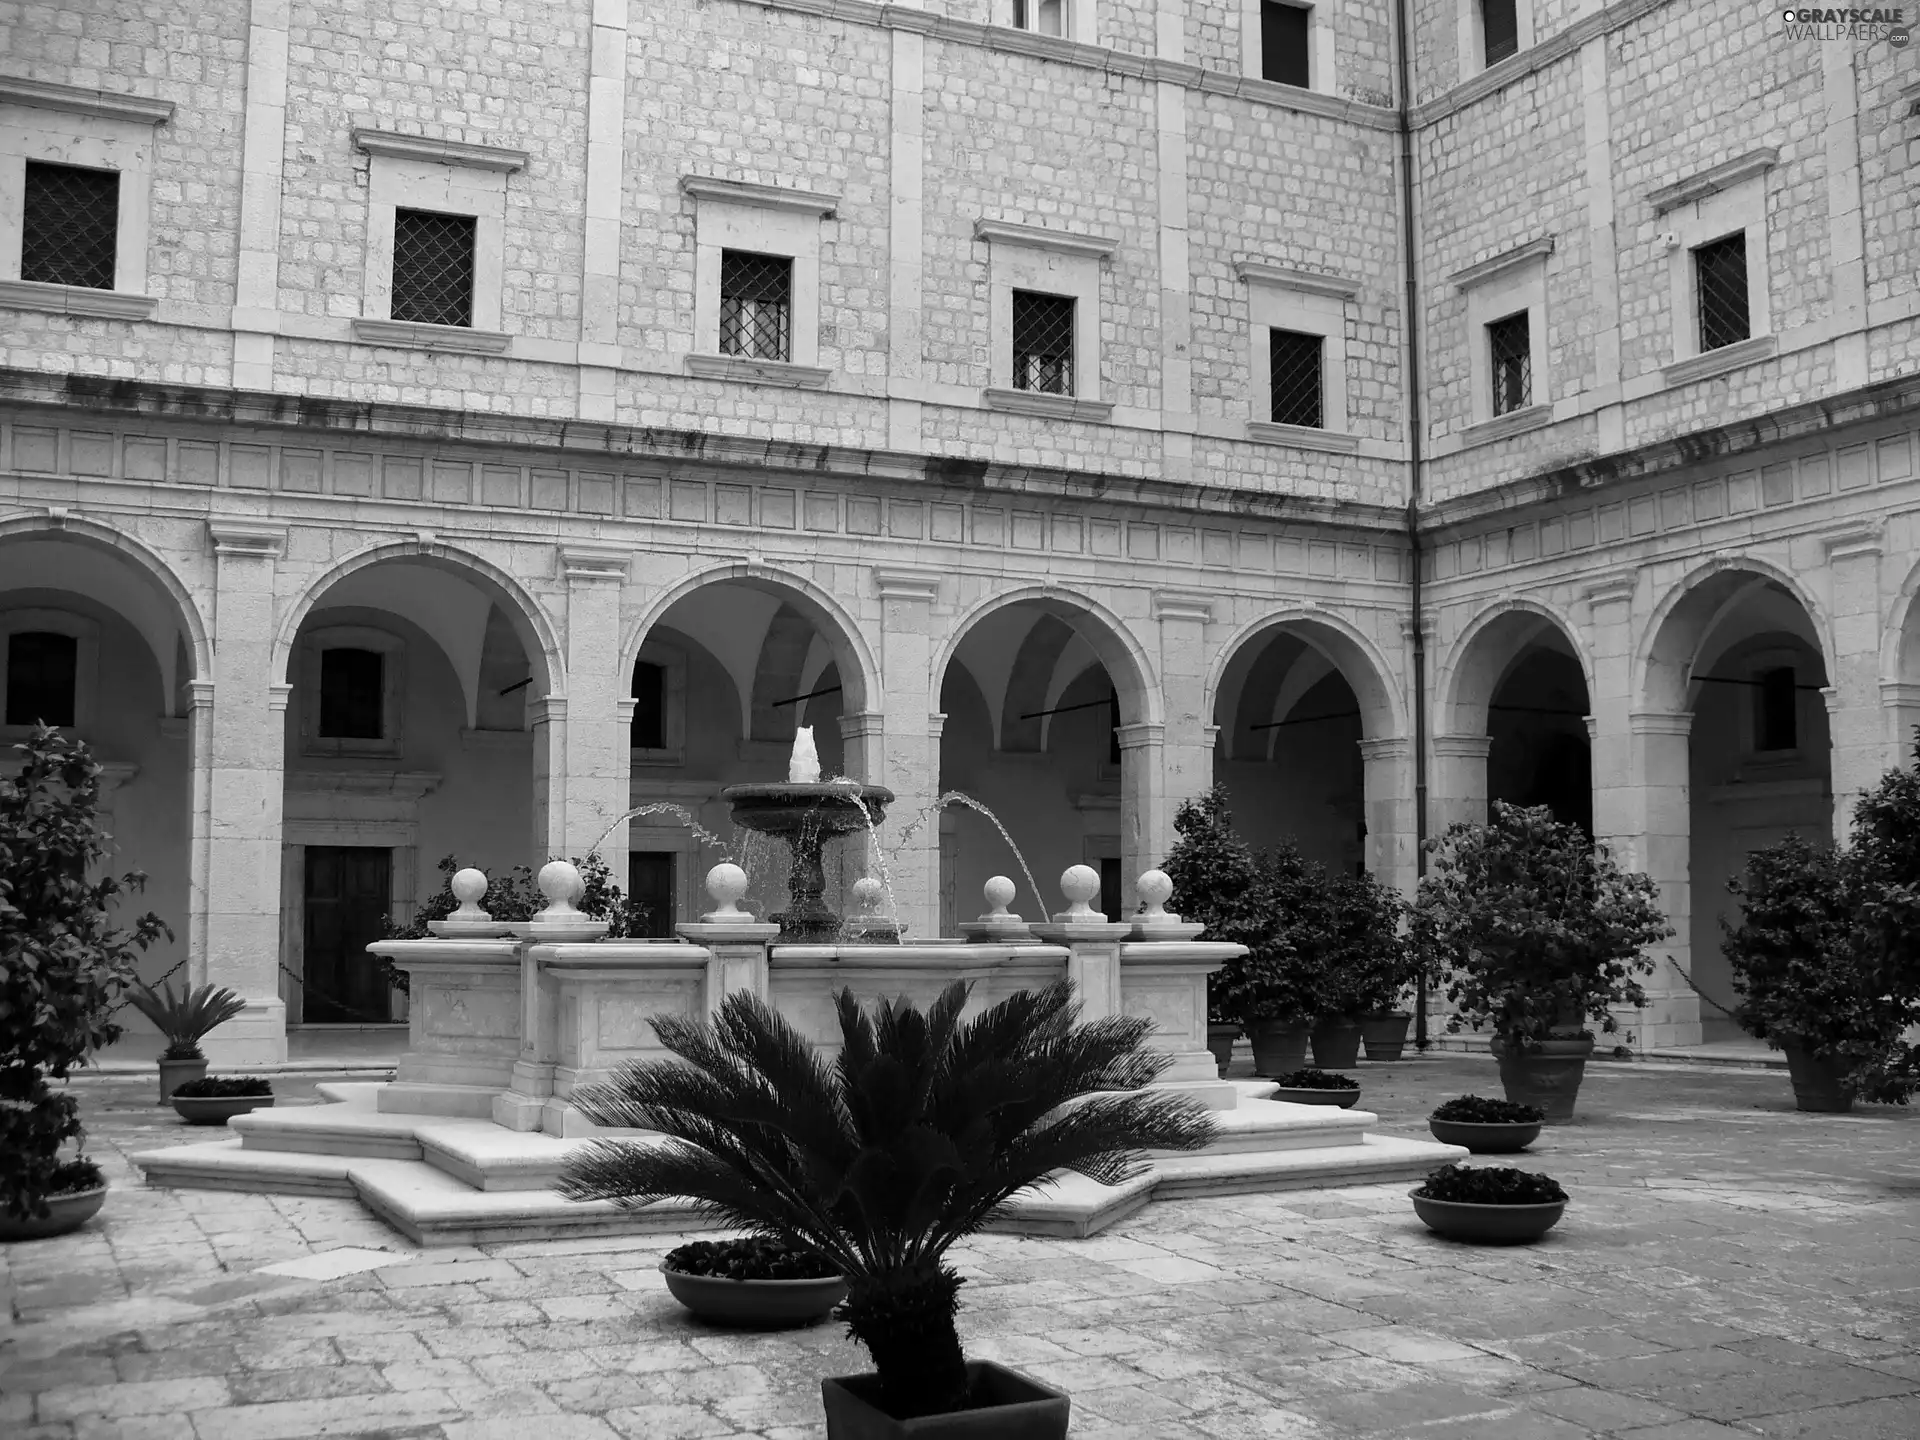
(255, 1037)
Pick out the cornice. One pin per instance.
(467, 156)
(1050, 407)
(75, 300)
(1502, 263)
(414, 335)
(1307, 282)
(1037, 237)
(1712, 181)
(77, 100)
(762, 197)
(783, 373)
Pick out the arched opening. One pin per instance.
(1520, 682)
(96, 640)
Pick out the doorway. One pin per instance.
(347, 895)
(650, 887)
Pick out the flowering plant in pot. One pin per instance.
(1539, 930)
(214, 1100)
(880, 1160)
(757, 1281)
(1220, 882)
(1486, 1127)
(63, 964)
(1492, 1204)
(1317, 1087)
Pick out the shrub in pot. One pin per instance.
(1539, 930)
(1219, 882)
(1317, 1087)
(1491, 1204)
(63, 964)
(759, 1281)
(184, 1020)
(1366, 966)
(1486, 1127)
(214, 1100)
(878, 1161)
(1284, 985)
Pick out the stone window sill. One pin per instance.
(75, 300)
(1053, 407)
(759, 372)
(411, 335)
(1516, 422)
(1303, 437)
(1718, 362)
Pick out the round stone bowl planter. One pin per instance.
(65, 1213)
(1506, 1138)
(1007, 1406)
(1487, 1224)
(217, 1109)
(755, 1304)
(1302, 1095)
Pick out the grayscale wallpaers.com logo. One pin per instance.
(1864, 26)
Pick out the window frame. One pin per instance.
(1027, 257)
(1731, 197)
(1494, 386)
(1076, 23)
(1472, 35)
(1306, 303)
(760, 220)
(395, 183)
(1322, 53)
(1494, 290)
(85, 633)
(393, 650)
(473, 265)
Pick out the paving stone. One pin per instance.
(311, 1383)
(1602, 1409)
(141, 1397)
(288, 1419)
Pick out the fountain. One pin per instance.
(805, 812)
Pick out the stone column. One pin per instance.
(908, 749)
(1900, 714)
(200, 832)
(1457, 784)
(1856, 725)
(1609, 636)
(1388, 768)
(547, 718)
(598, 756)
(1659, 844)
(245, 762)
(1186, 750)
(1146, 814)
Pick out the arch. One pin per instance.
(147, 563)
(1663, 658)
(532, 624)
(1113, 643)
(1030, 686)
(1352, 653)
(858, 673)
(780, 674)
(1900, 646)
(1499, 635)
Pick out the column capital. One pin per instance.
(921, 586)
(1900, 692)
(861, 724)
(936, 723)
(1142, 736)
(1429, 628)
(278, 695)
(1176, 605)
(1614, 588)
(242, 538)
(1661, 722)
(595, 563)
(546, 710)
(200, 694)
(1394, 747)
(1461, 747)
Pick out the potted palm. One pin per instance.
(1539, 931)
(63, 966)
(184, 1020)
(878, 1161)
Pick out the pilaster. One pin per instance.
(597, 749)
(1660, 845)
(1186, 742)
(256, 299)
(1387, 766)
(600, 254)
(1856, 726)
(905, 757)
(1457, 783)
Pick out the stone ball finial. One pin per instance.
(1155, 888)
(867, 894)
(998, 892)
(726, 883)
(1080, 883)
(560, 882)
(468, 886)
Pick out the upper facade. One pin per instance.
(1162, 243)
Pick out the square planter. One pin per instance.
(1010, 1407)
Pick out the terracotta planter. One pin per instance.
(217, 1109)
(756, 1304)
(65, 1213)
(1220, 1040)
(1487, 1224)
(1816, 1083)
(1008, 1406)
(175, 1073)
(1278, 1046)
(1547, 1076)
(1302, 1095)
(1505, 1138)
(1336, 1044)
(1385, 1036)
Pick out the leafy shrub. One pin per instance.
(216, 1087)
(62, 963)
(1317, 1080)
(187, 1018)
(70, 1177)
(1490, 1185)
(1366, 964)
(1479, 1110)
(758, 1257)
(1219, 882)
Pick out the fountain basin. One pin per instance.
(805, 815)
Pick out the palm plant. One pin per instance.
(879, 1161)
(185, 1019)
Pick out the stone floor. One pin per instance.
(1728, 1268)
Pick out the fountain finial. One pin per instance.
(726, 883)
(804, 766)
(469, 921)
(999, 926)
(560, 882)
(1080, 883)
(1153, 921)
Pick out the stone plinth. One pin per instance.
(1166, 981)
(463, 1022)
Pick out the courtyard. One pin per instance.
(1729, 1267)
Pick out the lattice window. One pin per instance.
(352, 694)
(1043, 17)
(433, 267)
(43, 672)
(1043, 342)
(1720, 282)
(1500, 29)
(756, 305)
(69, 223)
(1510, 344)
(1284, 43)
(1295, 378)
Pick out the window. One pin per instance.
(433, 268)
(756, 305)
(1720, 284)
(68, 225)
(352, 694)
(1294, 375)
(649, 706)
(42, 678)
(1510, 349)
(1500, 29)
(1285, 46)
(1043, 342)
(1043, 17)
(1776, 714)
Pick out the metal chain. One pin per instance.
(161, 981)
(334, 1000)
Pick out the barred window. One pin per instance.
(352, 694)
(756, 305)
(1284, 42)
(68, 225)
(433, 267)
(1043, 342)
(42, 671)
(1720, 281)
(1500, 29)
(1043, 17)
(1295, 378)
(1510, 344)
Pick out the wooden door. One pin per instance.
(347, 894)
